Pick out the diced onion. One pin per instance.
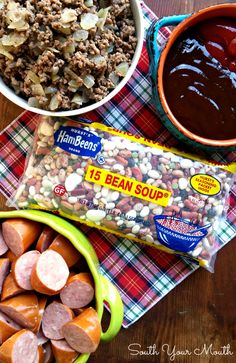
(69, 49)
(114, 78)
(33, 77)
(37, 90)
(102, 14)
(68, 15)
(79, 100)
(4, 52)
(2, 4)
(88, 21)
(55, 77)
(80, 35)
(33, 102)
(13, 39)
(19, 25)
(12, 5)
(54, 103)
(73, 83)
(88, 81)
(65, 29)
(50, 90)
(55, 70)
(98, 59)
(122, 69)
(70, 73)
(88, 3)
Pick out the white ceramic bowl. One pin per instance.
(138, 17)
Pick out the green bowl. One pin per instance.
(104, 289)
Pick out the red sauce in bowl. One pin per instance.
(200, 79)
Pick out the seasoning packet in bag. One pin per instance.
(127, 185)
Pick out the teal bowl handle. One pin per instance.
(112, 297)
(154, 50)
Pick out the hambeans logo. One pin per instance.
(78, 141)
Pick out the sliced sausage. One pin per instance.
(45, 239)
(23, 309)
(83, 332)
(7, 327)
(42, 300)
(4, 270)
(10, 288)
(79, 291)
(50, 273)
(54, 317)
(22, 269)
(63, 246)
(21, 347)
(20, 233)
(48, 354)
(62, 352)
(3, 245)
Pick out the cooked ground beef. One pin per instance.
(63, 54)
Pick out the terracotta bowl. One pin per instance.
(157, 62)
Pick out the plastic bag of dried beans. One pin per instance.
(126, 185)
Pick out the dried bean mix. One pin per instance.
(115, 181)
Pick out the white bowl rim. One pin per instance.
(139, 24)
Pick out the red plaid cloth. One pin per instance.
(143, 275)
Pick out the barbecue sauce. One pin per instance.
(200, 79)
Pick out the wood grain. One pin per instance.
(201, 310)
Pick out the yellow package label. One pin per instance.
(205, 184)
(128, 186)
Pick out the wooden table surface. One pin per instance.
(193, 322)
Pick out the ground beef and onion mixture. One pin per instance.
(62, 54)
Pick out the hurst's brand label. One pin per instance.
(127, 185)
(205, 184)
(77, 141)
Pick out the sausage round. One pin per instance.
(4, 270)
(83, 332)
(62, 352)
(45, 239)
(19, 234)
(3, 245)
(7, 327)
(79, 291)
(19, 346)
(10, 288)
(54, 317)
(65, 248)
(50, 273)
(23, 309)
(22, 269)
